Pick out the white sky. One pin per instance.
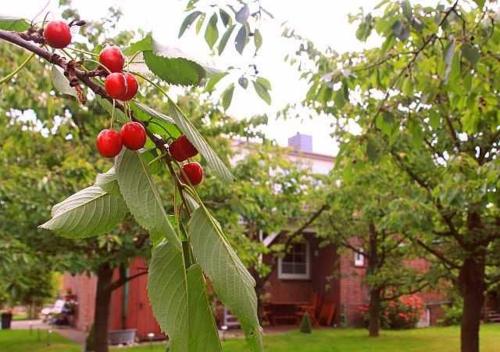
(323, 21)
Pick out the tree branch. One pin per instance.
(437, 254)
(123, 280)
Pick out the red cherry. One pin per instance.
(57, 34)
(182, 149)
(133, 135)
(115, 85)
(109, 143)
(194, 173)
(131, 87)
(112, 58)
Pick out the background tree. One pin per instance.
(428, 97)
(363, 216)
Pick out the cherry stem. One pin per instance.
(19, 68)
(131, 61)
(82, 51)
(113, 114)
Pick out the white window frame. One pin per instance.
(289, 276)
(359, 258)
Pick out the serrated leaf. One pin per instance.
(61, 83)
(108, 182)
(232, 282)
(144, 44)
(180, 303)
(13, 24)
(243, 14)
(225, 38)
(257, 39)
(188, 21)
(241, 39)
(211, 32)
(262, 91)
(227, 96)
(212, 82)
(89, 212)
(213, 160)
(471, 53)
(142, 197)
(175, 70)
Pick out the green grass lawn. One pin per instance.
(338, 340)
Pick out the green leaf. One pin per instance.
(142, 197)
(225, 38)
(144, 44)
(243, 82)
(338, 98)
(106, 105)
(175, 70)
(243, 14)
(372, 150)
(241, 39)
(180, 302)
(89, 212)
(264, 82)
(257, 39)
(158, 122)
(225, 17)
(61, 83)
(199, 23)
(385, 122)
(227, 96)
(480, 3)
(188, 21)
(108, 182)
(232, 282)
(214, 80)
(262, 91)
(13, 24)
(471, 53)
(211, 32)
(200, 143)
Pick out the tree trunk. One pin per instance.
(374, 312)
(101, 310)
(472, 289)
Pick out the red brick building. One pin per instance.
(309, 274)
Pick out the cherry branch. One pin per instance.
(28, 41)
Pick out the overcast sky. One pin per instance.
(323, 21)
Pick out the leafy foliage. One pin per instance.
(179, 301)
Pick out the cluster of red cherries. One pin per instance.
(123, 86)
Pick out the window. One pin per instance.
(359, 258)
(296, 264)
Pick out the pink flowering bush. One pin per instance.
(401, 313)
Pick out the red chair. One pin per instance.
(311, 309)
(327, 314)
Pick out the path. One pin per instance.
(69, 333)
